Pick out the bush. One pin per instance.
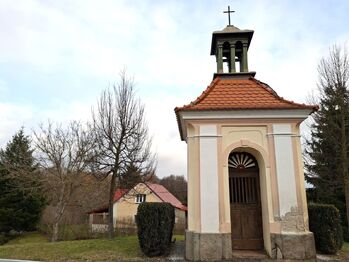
(325, 223)
(155, 223)
(3, 239)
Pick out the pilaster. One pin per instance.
(220, 58)
(232, 58)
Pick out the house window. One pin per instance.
(140, 198)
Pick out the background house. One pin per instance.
(126, 203)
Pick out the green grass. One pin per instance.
(345, 247)
(27, 238)
(34, 246)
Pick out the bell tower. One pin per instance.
(246, 188)
(230, 46)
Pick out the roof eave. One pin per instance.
(180, 124)
(247, 113)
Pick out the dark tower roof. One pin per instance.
(230, 31)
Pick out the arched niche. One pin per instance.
(261, 157)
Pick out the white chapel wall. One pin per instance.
(285, 169)
(209, 179)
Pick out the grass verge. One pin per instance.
(34, 246)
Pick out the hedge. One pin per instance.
(325, 223)
(155, 223)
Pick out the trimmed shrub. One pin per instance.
(155, 223)
(325, 223)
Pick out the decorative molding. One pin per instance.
(299, 114)
(283, 134)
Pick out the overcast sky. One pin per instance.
(57, 56)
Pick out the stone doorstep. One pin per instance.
(249, 256)
(327, 258)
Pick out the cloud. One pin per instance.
(162, 123)
(13, 117)
(56, 56)
(3, 88)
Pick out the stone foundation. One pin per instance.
(293, 246)
(217, 247)
(207, 246)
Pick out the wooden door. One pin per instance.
(245, 203)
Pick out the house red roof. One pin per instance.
(166, 196)
(234, 93)
(157, 189)
(119, 193)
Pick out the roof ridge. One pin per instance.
(265, 86)
(280, 98)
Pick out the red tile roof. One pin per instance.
(166, 196)
(233, 93)
(119, 193)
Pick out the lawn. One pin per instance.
(34, 246)
(345, 247)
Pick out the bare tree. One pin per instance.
(121, 135)
(64, 156)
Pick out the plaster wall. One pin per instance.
(126, 207)
(285, 168)
(193, 169)
(300, 181)
(253, 133)
(209, 184)
(275, 154)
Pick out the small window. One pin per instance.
(140, 198)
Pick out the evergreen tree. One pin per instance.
(177, 185)
(328, 148)
(21, 201)
(131, 177)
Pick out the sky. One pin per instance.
(56, 57)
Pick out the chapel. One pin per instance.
(246, 188)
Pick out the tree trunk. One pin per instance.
(59, 211)
(55, 228)
(111, 205)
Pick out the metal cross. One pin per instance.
(228, 12)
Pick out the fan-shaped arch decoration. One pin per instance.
(242, 160)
